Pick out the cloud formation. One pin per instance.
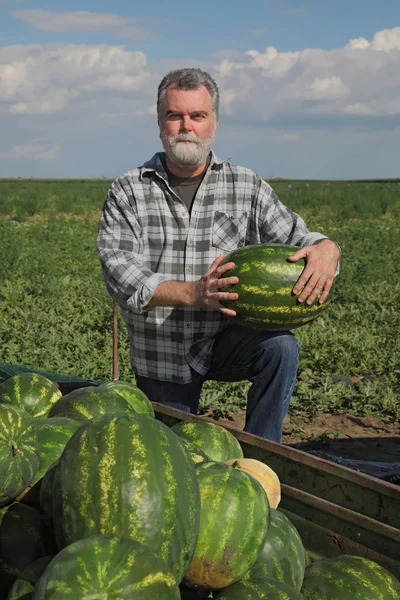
(45, 79)
(360, 79)
(33, 152)
(84, 20)
(49, 88)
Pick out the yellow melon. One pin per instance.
(264, 475)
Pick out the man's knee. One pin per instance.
(278, 350)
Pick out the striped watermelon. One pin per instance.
(128, 476)
(46, 496)
(266, 280)
(52, 435)
(33, 392)
(102, 567)
(19, 452)
(234, 521)
(215, 441)
(260, 589)
(88, 402)
(24, 586)
(283, 555)
(350, 577)
(24, 537)
(133, 394)
(197, 455)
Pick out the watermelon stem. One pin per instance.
(15, 449)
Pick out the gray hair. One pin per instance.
(188, 79)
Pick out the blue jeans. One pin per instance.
(268, 360)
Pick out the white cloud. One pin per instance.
(326, 88)
(32, 152)
(52, 87)
(45, 79)
(84, 20)
(385, 40)
(360, 79)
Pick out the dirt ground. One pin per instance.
(367, 444)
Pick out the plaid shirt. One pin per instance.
(146, 236)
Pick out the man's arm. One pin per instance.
(281, 225)
(207, 292)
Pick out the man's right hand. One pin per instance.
(207, 292)
(211, 288)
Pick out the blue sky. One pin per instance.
(309, 89)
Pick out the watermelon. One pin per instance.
(105, 567)
(283, 555)
(24, 537)
(33, 392)
(266, 281)
(128, 476)
(88, 402)
(21, 590)
(19, 452)
(52, 435)
(234, 521)
(349, 576)
(132, 393)
(259, 589)
(215, 441)
(24, 586)
(46, 496)
(197, 455)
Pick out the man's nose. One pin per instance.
(186, 123)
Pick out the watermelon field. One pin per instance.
(56, 314)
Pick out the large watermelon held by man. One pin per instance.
(266, 280)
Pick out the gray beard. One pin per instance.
(183, 154)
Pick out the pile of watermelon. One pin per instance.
(99, 500)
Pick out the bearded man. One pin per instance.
(164, 231)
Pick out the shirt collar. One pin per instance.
(155, 165)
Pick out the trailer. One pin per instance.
(335, 509)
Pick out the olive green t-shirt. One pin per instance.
(185, 187)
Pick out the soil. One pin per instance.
(367, 444)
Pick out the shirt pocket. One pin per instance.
(229, 232)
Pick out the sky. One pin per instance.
(309, 89)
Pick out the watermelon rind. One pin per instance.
(24, 586)
(33, 392)
(24, 538)
(52, 434)
(348, 576)
(89, 402)
(259, 589)
(217, 443)
(105, 566)
(234, 521)
(19, 452)
(128, 476)
(136, 397)
(283, 556)
(265, 288)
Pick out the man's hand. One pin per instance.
(209, 290)
(317, 277)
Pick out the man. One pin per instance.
(164, 231)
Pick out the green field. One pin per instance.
(56, 314)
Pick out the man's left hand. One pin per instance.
(317, 277)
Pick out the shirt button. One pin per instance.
(190, 241)
(188, 324)
(184, 214)
(189, 269)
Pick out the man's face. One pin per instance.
(187, 126)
